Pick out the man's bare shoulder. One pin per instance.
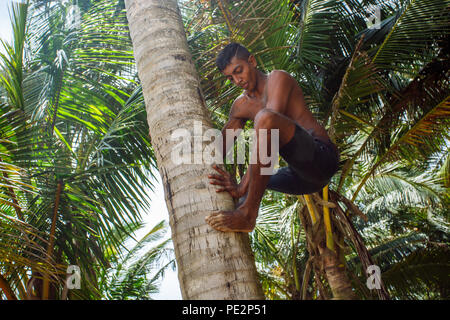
(281, 76)
(239, 101)
(281, 81)
(238, 105)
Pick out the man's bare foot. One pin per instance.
(232, 221)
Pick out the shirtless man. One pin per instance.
(273, 101)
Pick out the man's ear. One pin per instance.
(252, 60)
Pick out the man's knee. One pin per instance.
(266, 119)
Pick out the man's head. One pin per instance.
(238, 65)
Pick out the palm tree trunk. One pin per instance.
(4, 285)
(46, 283)
(318, 242)
(211, 264)
(336, 275)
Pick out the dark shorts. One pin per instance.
(311, 164)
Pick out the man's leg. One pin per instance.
(287, 181)
(243, 218)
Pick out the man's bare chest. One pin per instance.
(252, 106)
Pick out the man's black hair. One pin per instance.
(231, 50)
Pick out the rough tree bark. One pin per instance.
(337, 278)
(211, 264)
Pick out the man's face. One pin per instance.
(242, 72)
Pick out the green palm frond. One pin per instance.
(425, 133)
(374, 35)
(265, 27)
(12, 74)
(273, 285)
(444, 172)
(424, 274)
(403, 46)
(391, 251)
(21, 247)
(395, 187)
(317, 21)
(427, 89)
(130, 277)
(359, 83)
(80, 125)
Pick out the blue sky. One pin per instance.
(169, 288)
(5, 28)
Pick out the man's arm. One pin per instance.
(235, 122)
(243, 185)
(279, 89)
(227, 183)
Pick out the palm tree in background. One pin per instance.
(75, 153)
(136, 274)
